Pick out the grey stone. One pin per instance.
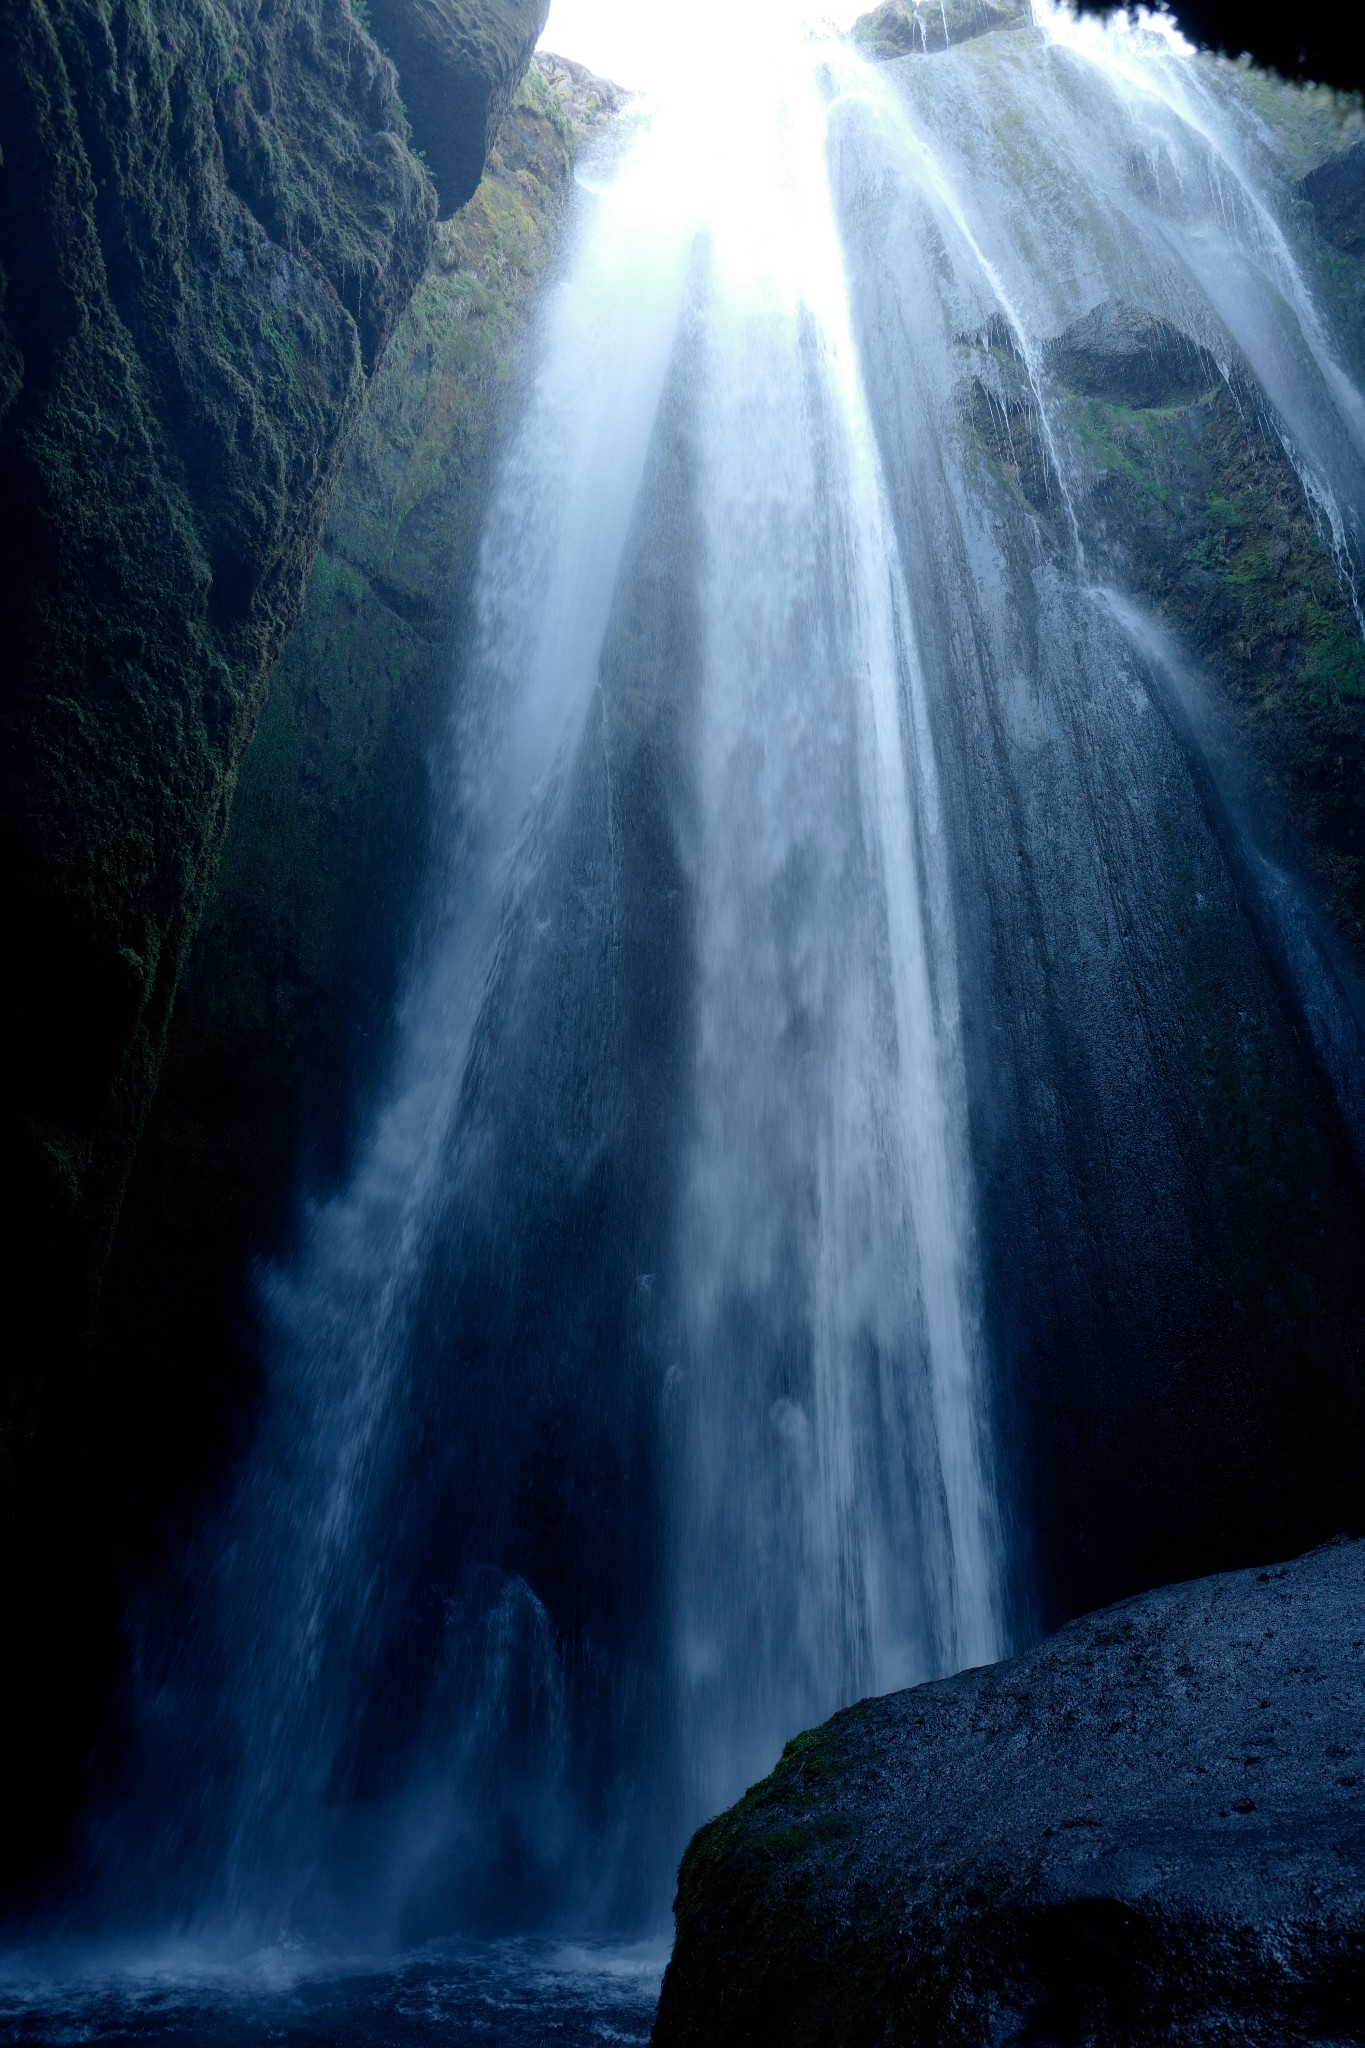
(459, 63)
(1336, 193)
(1151, 1828)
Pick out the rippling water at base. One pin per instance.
(515, 1994)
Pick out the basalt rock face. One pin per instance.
(211, 220)
(1189, 505)
(460, 62)
(1150, 1829)
(1199, 508)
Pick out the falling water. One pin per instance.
(833, 1511)
(803, 866)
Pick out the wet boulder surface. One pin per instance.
(1129, 357)
(1150, 1828)
(460, 62)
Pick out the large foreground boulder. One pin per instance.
(1149, 1829)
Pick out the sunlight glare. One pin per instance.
(650, 48)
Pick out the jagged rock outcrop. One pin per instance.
(1129, 357)
(211, 220)
(1150, 1829)
(460, 62)
(900, 28)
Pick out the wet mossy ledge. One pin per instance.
(212, 216)
(1150, 1829)
(1175, 465)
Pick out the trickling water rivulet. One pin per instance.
(634, 1405)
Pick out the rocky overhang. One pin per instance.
(1151, 1828)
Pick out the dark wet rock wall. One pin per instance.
(283, 1010)
(284, 1014)
(460, 62)
(211, 221)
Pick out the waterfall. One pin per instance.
(832, 1506)
(790, 1048)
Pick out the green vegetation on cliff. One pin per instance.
(331, 803)
(209, 221)
(1203, 514)
(1147, 1830)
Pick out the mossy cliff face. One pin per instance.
(1185, 1389)
(902, 28)
(1186, 487)
(281, 1016)
(306, 923)
(1168, 1203)
(1149, 1830)
(287, 992)
(210, 220)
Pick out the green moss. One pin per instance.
(1303, 124)
(1206, 515)
(225, 237)
(1334, 665)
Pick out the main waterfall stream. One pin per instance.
(630, 1410)
(788, 1063)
